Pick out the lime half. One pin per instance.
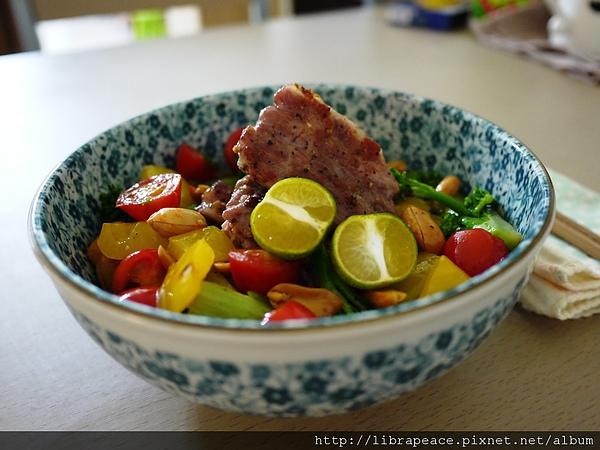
(293, 217)
(373, 250)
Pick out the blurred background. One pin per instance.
(564, 34)
(64, 26)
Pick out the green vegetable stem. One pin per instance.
(422, 190)
(217, 301)
(330, 280)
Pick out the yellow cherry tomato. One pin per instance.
(184, 278)
(119, 239)
(151, 170)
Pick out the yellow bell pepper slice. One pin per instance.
(413, 284)
(443, 276)
(184, 278)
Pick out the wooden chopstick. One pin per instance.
(575, 234)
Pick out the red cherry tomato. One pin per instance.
(475, 250)
(192, 164)
(230, 155)
(140, 269)
(289, 310)
(259, 271)
(145, 296)
(143, 199)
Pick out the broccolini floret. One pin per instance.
(477, 200)
(450, 222)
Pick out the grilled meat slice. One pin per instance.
(301, 136)
(214, 200)
(246, 195)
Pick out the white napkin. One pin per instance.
(565, 283)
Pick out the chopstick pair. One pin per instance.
(577, 235)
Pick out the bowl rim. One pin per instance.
(54, 265)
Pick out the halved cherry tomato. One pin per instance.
(259, 271)
(289, 310)
(140, 269)
(143, 199)
(144, 295)
(149, 170)
(475, 250)
(230, 156)
(192, 164)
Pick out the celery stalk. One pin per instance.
(218, 301)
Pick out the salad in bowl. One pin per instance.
(309, 221)
(293, 251)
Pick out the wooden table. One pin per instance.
(533, 373)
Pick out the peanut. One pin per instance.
(411, 201)
(321, 302)
(449, 185)
(427, 232)
(222, 267)
(385, 298)
(165, 257)
(198, 191)
(173, 221)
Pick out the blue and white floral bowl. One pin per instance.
(328, 365)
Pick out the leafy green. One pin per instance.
(108, 210)
(450, 222)
(477, 200)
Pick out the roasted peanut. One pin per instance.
(397, 164)
(173, 221)
(222, 267)
(411, 201)
(198, 191)
(385, 298)
(321, 302)
(427, 232)
(165, 257)
(449, 185)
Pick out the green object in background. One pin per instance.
(481, 8)
(148, 24)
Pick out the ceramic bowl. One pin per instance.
(329, 365)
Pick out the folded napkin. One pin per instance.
(523, 30)
(565, 283)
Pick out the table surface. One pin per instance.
(532, 373)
